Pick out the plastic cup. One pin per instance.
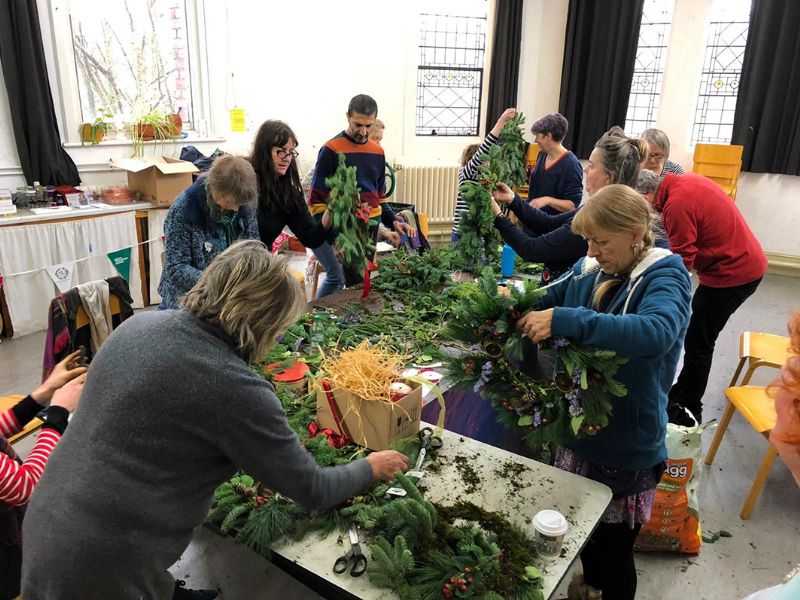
(549, 527)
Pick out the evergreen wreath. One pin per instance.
(350, 217)
(575, 403)
(479, 241)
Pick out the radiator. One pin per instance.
(433, 190)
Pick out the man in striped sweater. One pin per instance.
(369, 160)
(62, 389)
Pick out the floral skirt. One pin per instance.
(634, 508)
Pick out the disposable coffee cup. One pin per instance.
(549, 527)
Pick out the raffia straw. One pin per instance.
(366, 371)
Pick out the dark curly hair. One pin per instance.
(274, 191)
(555, 124)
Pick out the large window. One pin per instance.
(450, 72)
(129, 59)
(648, 73)
(722, 68)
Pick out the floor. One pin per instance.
(759, 553)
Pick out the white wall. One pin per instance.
(770, 203)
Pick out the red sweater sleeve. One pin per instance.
(18, 480)
(681, 225)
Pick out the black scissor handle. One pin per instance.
(341, 565)
(359, 565)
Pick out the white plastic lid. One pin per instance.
(550, 522)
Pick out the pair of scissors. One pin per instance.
(353, 560)
(428, 441)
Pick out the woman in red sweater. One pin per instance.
(706, 228)
(62, 389)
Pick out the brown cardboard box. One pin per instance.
(370, 423)
(158, 179)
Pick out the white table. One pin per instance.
(540, 486)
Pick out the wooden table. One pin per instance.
(537, 487)
(7, 402)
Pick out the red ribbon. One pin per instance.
(371, 266)
(334, 439)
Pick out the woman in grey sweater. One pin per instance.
(171, 410)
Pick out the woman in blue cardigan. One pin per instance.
(630, 297)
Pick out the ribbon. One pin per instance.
(334, 439)
(344, 434)
(371, 266)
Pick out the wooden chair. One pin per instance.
(720, 163)
(760, 350)
(7, 402)
(82, 319)
(758, 409)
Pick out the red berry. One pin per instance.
(469, 579)
(463, 588)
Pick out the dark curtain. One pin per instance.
(599, 57)
(39, 147)
(767, 117)
(504, 71)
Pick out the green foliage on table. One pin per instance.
(401, 273)
(349, 217)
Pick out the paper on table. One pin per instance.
(381, 247)
(52, 210)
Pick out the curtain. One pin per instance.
(599, 58)
(39, 147)
(40, 245)
(767, 117)
(504, 71)
(155, 231)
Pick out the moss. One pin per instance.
(468, 474)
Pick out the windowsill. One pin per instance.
(190, 139)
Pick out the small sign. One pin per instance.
(237, 120)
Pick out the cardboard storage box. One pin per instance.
(371, 423)
(159, 179)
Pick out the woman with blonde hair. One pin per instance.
(172, 410)
(785, 436)
(633, 298)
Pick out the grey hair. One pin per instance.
(622, 156)
(250, 294)
(657, 138)
(647, 182)
(233, 176)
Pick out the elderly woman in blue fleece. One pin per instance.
(205, 219)
(630, 297)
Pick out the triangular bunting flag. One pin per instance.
(62, 275)
(121, 259)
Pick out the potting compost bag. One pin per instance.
(675, 522)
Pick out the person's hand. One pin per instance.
(537, 324)
(386, 464)
(404, 228)
(69, 395)
(502, 193)
(326, 219)
(392, 237)
(507, 114)
(496, 210)
(541, 202)
(64, 372)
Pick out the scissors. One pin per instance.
(428, 442)
(353, 560)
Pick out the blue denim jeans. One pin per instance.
(334, 274)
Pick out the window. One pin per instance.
(450, 71)
(129, 59)
(722, 67)
(648, 72)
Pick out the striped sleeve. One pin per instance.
(9, 425)
(469, 172)
(18, 480)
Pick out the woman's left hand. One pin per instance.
(496, 210)
(537, 324)
(64, 372)
(404, 228)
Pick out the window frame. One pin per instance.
(67, 74)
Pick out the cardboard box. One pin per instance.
(159, 179)
(371, 423)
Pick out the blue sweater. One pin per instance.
(193, 240)
(646, 322)
(562, 180)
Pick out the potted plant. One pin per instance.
(95, 131)
(153, 125)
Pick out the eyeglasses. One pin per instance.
(655, 156)
(286, 153)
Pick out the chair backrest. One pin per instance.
(82, 319)
(720, 163)
(532, 155)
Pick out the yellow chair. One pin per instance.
(7, 402)
(761, 350)
(758, 409)
(721, 164)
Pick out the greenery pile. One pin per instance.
(350, 217)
